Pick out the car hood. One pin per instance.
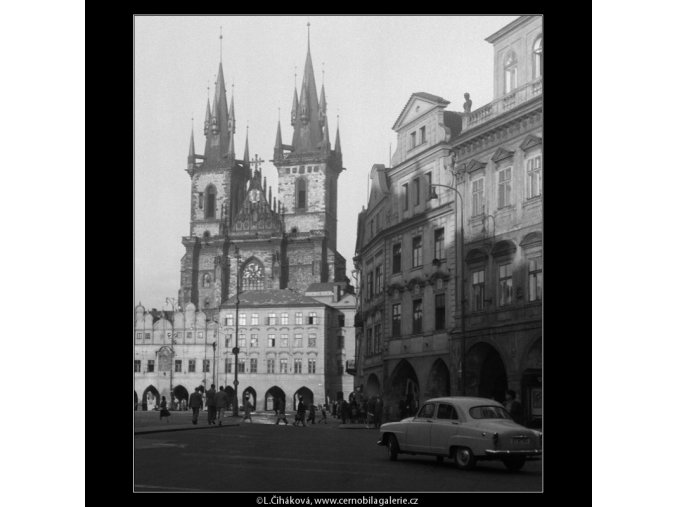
(395, 423)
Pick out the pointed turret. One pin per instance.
(326, 146)
(337, 143)
(245, 157)
(231, 148)
(191, 151)
(208, 118)
(215, 115)
(295, 108)
(308, 131)
(218, 138)
(231, 115)
(323, 107)
(277, 152)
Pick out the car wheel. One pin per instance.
(393, 448)
(465, 459)
(514, 463)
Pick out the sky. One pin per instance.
(372, 65)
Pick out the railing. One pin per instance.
(505, 103)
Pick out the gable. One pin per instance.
(530, 141)
(418, 104)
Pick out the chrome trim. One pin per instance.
(519, 452)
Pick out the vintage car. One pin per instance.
(464, 429)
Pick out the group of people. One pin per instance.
(360, 410)
(300, 418)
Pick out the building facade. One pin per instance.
(277, 254)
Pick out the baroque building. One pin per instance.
(276, 254)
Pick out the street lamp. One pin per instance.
(171, 349)
(214, 366)
(236, 349)
(433, 195)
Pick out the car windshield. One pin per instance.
(489, 412)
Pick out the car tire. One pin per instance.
(464, 458)
(393, 448)
(514, 463)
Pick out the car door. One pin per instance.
(418, 429)
(443, 428)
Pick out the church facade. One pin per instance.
(265, 251)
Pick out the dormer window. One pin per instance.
(538, 57)
(510, 72)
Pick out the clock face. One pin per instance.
(255, 196)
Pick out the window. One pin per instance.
(534, 177)
(504, 183)
(272, 319)
(229, 365)
(229, 340)
(478, 290)
(253, 279)
(439, 244)
(146, 336)
(210, 212)
(301, 193)
(302, 169)
(243, 319)
(240, 365)
(478, 196)
(504, 284)
(312, 340)
(298, 318)
(139, 336)
(417, 192)
(137, 366)
(178, 366)
(370, 342)
(427, 411)
(312, 318)
(412, 140)
(418, 316)
(229, 320)
(201, 200)
(422, 136)
(205, 365)
(200, 335)
(416, 254)
(297, 365)
(510, 68)
(253, 365)
(284, 319)
(440, 311)
(254, 340)
(397, 320)
(298, 340)
(535, 278)
(151, 366)
(397, 258)
(255, 319)
(311, 365)
(379, 279)
(242, 340)
(271, 340)
(538, 57)
(191, 366)
(284, 340)
(189, 335)
(341, 320)
(377, 335)
(446, 412)
(283, 365)
(370, 285)
(270, 365)
(406, 196)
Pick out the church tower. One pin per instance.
(308, 172)
(218, 186)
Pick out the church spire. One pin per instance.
(208, 116)
(323, 107)
(191, 148)
(245, 157)
(337, 143)
(231, 116)
(307, 132)
(295, 108)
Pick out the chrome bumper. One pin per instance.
(380, 442)
(516, 452)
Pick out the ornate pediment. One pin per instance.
(474, 165)
(476, 256)
(531, 141)
(532, 239)
(395, 287)
(502, 154)
(503, 248)
(438, 275)
(416, 281)
(418, 104)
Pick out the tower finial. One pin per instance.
(308, 24)
(221, 44)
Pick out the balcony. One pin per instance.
(503, 104)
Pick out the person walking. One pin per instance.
(279, 412)
(323, 413)
(220, 399)
(311, 414)
(195, 403)
(163, 409)
(513, 406)
(378, 412)
(371, 411)
(344, 409)
(211, 405)
(300, 412)
(247, 410)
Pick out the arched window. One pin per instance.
(253, 276)
(538, 57)
(210, 212)
(510, 67)
(301, 193)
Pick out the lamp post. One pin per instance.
(434, 196)
(172, 352)
(236, 349)
(214, 366)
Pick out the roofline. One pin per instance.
(509, 28)
(437, 104)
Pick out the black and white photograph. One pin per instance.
(338, 253)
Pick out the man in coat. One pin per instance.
(378, 412)
(300, 412)
(221, 400)
(513, 406)
(195, 403)
(211, 405)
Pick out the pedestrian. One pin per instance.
(300, 412)
(333, 409)
(279, 411)
(211, 405)
(195, 404)
(247, 410)
(220, 398)
(345, 411)
(371, 411)
(378, 412)
(311, 414)
(184, 405)
(323, 413)
(513, 406)
(163, 409)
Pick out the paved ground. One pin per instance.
(262, 457)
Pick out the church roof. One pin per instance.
(272, 297)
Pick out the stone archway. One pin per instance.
(307, 394)
(272, 395)
(485, 373)
(373, 387)
(150, 398)
(252, 396)
(404, 390)
(181, 393)
(439, 381)
(230, 396)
